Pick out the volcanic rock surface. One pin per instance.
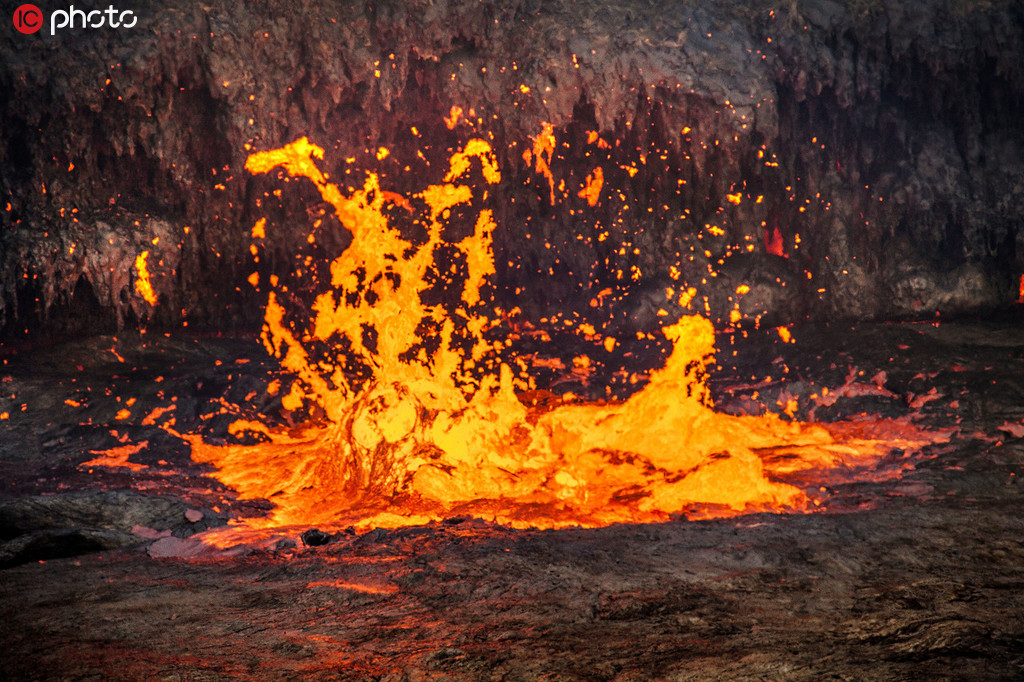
(884, 139)
(918, 578)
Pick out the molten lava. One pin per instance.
(143, 285)
(432, 424)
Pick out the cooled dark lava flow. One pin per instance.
(870, 154)
(915, 579)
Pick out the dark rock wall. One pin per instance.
(885, 140)
(917, 108)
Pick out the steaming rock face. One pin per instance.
(883, 139)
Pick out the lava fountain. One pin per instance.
(423, 411)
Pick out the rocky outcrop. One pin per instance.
(855, 159)
(61, 525)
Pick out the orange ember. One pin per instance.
(541, 154)
(438, 429)
(773, 242)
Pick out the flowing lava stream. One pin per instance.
(432, 426)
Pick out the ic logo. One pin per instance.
(28, 19)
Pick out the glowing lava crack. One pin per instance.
(437, 428)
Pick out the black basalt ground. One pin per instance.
(917, 578)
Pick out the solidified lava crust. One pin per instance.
(914, 579)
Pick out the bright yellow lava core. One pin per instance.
(438, 429)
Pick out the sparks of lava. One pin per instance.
(592, 188)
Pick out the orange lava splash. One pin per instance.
(142, 284)
(434, 427)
